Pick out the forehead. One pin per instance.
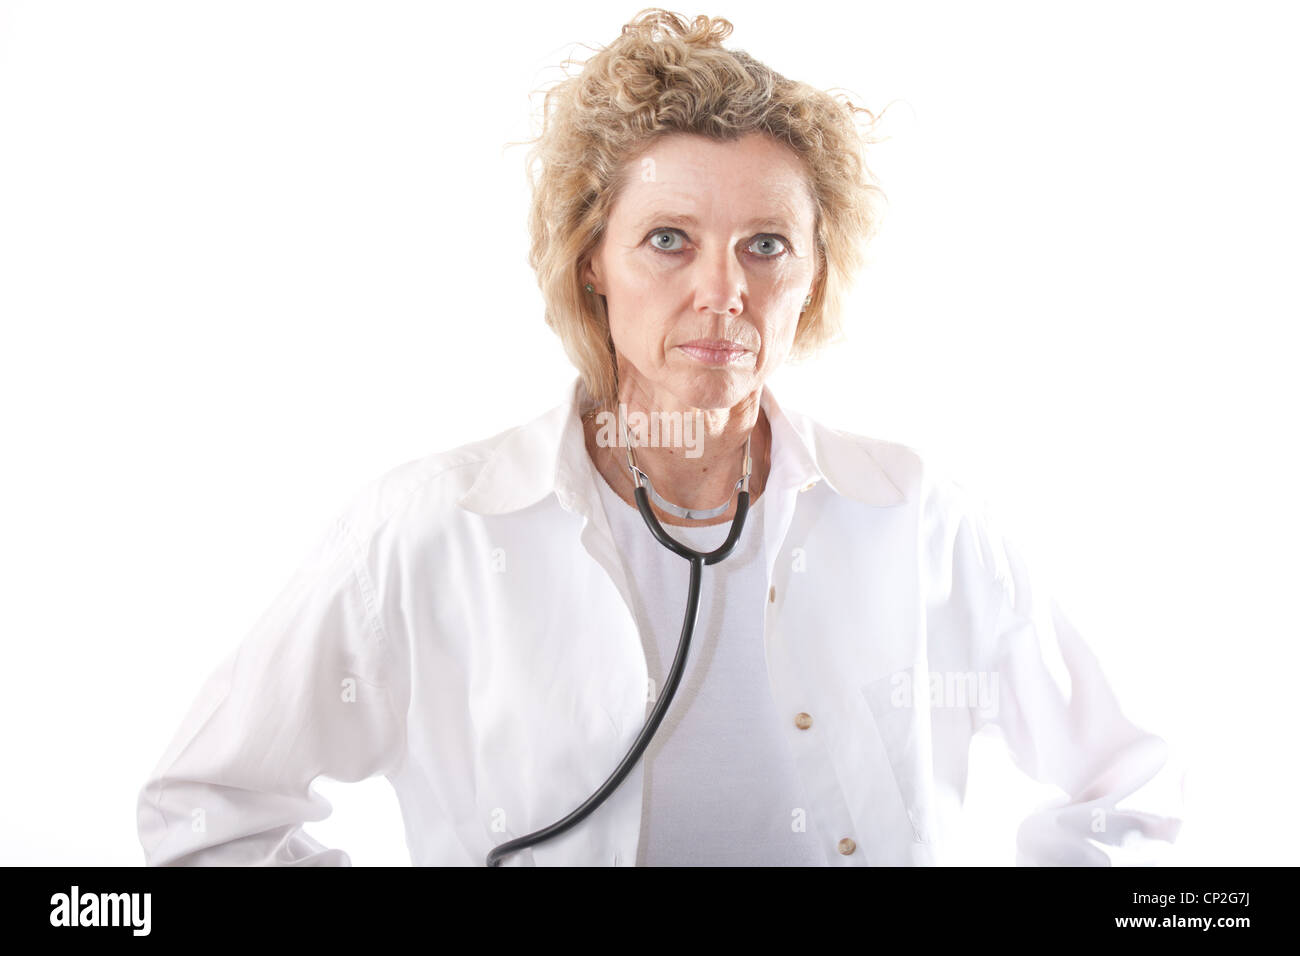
(695, 176)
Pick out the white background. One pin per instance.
(253, 254)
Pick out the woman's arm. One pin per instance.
(309, 692)
(1121, 786)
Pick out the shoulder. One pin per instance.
(905, 465)
(956, 525)
(962, 530)
(866, 464)
(872, 470)
(419, 493)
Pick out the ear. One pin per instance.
(590, 274)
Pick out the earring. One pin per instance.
(806, 302)
(589, 288)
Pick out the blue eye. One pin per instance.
(782, 246)
(664, 232)
(776, 239)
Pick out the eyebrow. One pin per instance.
(665, 216)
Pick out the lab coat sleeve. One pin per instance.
(1121, 787)
(310, 691)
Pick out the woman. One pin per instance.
(494, 627)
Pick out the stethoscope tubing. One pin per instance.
(697, 560)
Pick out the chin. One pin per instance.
(717, 388)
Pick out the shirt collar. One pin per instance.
(549, 455)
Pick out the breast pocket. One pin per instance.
(901, 711)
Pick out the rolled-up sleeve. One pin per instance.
(1121, 786)
(310, 691)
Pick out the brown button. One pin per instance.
(802, 721)
(771, 594)
(847, 846)
(809, 486)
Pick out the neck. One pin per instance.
(699, 471)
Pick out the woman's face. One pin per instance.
(707, 241)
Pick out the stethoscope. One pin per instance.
(697, 560)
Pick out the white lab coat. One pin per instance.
(464, 629)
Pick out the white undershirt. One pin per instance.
(720, 783)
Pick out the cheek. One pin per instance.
(782, 307)
(779, 339)
(636, 338)
(779, 347)
(640, 272)
(783, 286)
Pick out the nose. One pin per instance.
(719, 282)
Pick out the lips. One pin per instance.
(714, 351)
(713, 345)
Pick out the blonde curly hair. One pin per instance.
(663, 75)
